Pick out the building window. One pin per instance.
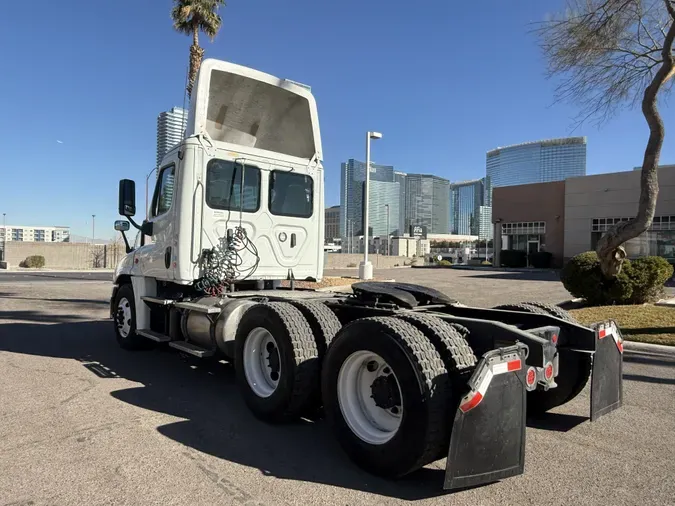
(224, 186)
(524, 228)
(524, 236)
(659, 240)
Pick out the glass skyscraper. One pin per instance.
(383, 190)
(170, 127)
(535, 162)
(427, 203)
(466, 199)
(399, 177)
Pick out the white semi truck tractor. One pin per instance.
(405, 374)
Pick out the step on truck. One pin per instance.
(405, 374)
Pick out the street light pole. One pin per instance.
(387, 206)
(4, 236)
(93, 228)
(366, 268)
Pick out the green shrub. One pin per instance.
(638, 282)
(541, 259)
(513, 258)
(34, 261)
(445, 263)
(351, 265)
(486, 262)
(648, 276)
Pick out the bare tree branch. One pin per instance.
(607, 54)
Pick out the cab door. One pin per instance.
(157, 258)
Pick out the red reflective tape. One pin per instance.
(620, 346)
(471, 403)
(514, 365)
(601, 333)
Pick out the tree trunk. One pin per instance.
(196, 57)
(609, 249)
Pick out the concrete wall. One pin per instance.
(66, 255)
(344, 260)
(533, 202)
(84, 256)
(612, 195)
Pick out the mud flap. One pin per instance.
(607, 372)
(488, 434)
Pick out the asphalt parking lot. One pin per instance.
(84, 422)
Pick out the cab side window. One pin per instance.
(163, 197)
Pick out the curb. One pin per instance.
(658, 349)
(502, 269)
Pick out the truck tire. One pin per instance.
(464, 332)
(574, 369)
(124, 321)
(323, 322)
(554, 310)
(385, 391)
(325, 325)
(455, 351)
(458, 357)
(523, 307)
(276, 361)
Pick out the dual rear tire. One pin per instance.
(385, 382)
(574, 369)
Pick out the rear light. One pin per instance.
(548, 371)
(531, 377)
(554, 338)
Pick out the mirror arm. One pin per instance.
(129, 249)
(133, 222)
(145, 228)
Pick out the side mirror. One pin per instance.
(121, 226)
(127, 198)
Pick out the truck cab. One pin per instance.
(243, 193)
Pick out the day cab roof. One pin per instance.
(248, 111)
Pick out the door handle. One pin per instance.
(292, 240)
(167, 257)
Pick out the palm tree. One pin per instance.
(191, 17)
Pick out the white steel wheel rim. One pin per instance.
(369, 422)
(124, 314)
(261, 374)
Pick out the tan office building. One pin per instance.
(595, 203)
(568, 217)
(530, 217)
(332, 224)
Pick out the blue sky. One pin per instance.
(443, 81)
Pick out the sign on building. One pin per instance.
(418, 231)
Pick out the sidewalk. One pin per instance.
(486, 268)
